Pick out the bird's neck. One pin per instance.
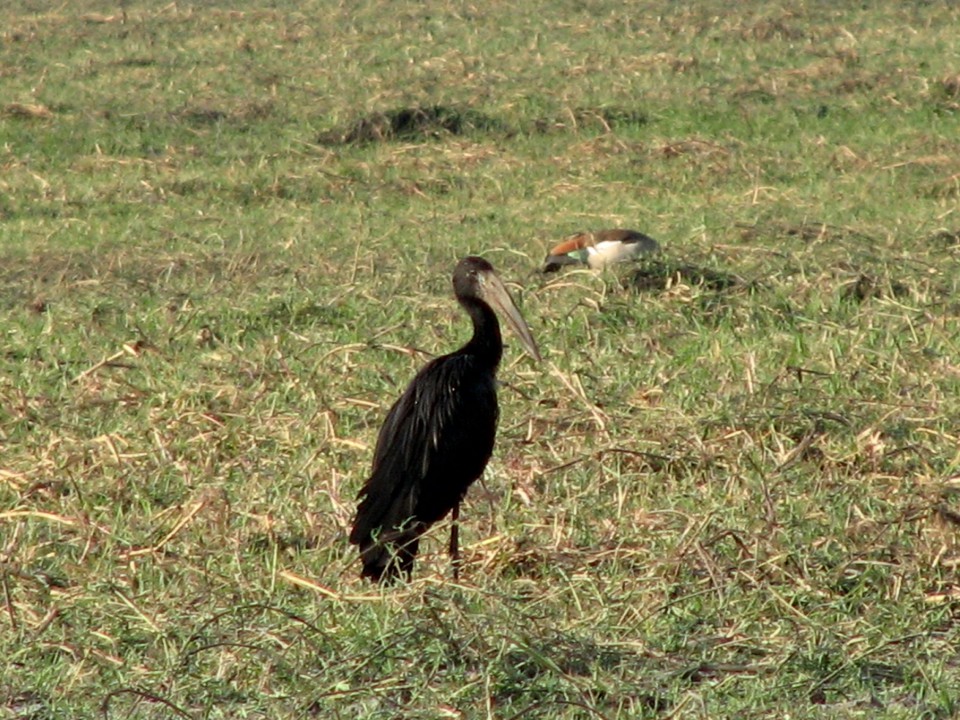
(486, 342)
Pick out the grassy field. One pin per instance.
(731, 490)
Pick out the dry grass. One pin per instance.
(731, 490)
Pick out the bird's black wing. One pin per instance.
(411, 437)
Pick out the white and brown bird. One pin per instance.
(599, 249)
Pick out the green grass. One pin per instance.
(711, 503)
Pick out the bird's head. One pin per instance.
(574, 250)
(476, 279)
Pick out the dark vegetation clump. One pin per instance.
(656, 276)
(946, 238)
(946, 92)
(600, 119)
(806, 230)
(414, 124)
(202, 115)
(868, 286)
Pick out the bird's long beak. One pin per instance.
(496, 295)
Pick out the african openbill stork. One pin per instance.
(599, 249)
(438, 436)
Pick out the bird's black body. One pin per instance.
(436, 439)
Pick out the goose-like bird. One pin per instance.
(439, 435)
(599, 249)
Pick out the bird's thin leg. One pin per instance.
(455, 541)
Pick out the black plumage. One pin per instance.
(439, 435)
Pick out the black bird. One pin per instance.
(438, 436)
